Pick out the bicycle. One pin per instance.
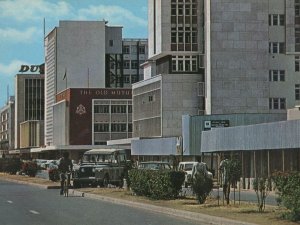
(67, 183)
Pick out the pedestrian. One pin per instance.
(65, 165)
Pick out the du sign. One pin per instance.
(32, 68)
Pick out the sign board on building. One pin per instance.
(208, 124)
(33, 68)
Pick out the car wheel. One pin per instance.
(105, 181)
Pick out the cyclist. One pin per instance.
(65, 165)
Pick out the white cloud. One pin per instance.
(28, 10)
(13, 35)
(115, 15)
(12, 68)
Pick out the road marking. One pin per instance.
(34, 212)
(10, 202)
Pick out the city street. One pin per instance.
(24, 204)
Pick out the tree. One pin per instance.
(261, 187)
(231, 171)
(202, 186)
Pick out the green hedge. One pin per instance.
(11, 166)
(288, 188)
(156, 184)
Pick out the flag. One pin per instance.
(65, 76)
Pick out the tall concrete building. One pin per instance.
(7, 117)
(29, 111)
(211, 57)
(88, 55)
(135, 53)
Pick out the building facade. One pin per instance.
(88, 54)
(29, 111)
(7, 115)
(92, 116)
(214, 57)
(135, 53)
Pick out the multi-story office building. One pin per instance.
(29, 111)
(91, 55)
(212, 57)
(7, 115)
(88, 117)
(135, 52)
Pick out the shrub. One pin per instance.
(202, 186)
(156, 184)
(288, 188)
(11, 166)
(53, 174)
(30, 168)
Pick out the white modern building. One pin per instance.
(214, 57)
(88, 55)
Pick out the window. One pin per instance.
(277, 103)
(297, 91)
(101, 109)
(126, 49)
(129, 108)
(276, 20)
(101, 127)
(111, 43)
(297, 63)
(173, 37)
(184, 20)
(126, 79)
(297, 39)
(126, 64)
(134, 78)
(130, 127)
(118, 109)
(276, 47)
(297, 10)
(151, 98)
(142, 49)
(134, 64)
(276, 75)
(118, 127)
(173, 10)
(184, 63)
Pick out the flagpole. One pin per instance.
(88, 77)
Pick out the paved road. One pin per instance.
(24, 204)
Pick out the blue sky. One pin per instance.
(21, 28)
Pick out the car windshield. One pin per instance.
(188, 167)
(98, 158)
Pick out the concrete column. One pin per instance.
(283, 166)
(269, 163)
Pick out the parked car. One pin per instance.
(153, 165)
(39, 162)
(191, 168)
(187, 168)
(102, 167)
